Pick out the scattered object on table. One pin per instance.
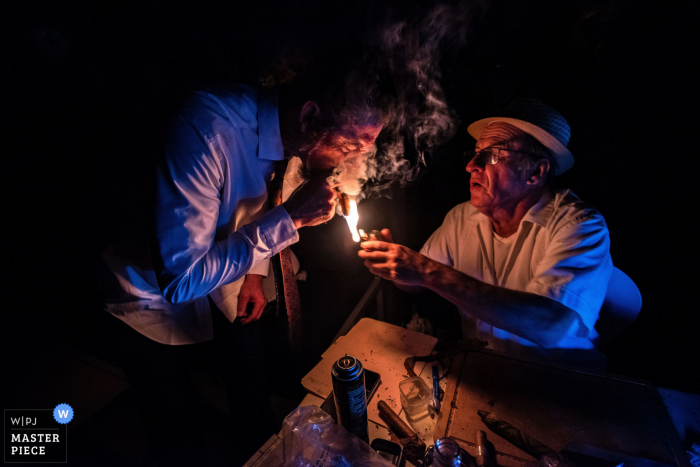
(382, 347)
(350, 399)
(558, 406)
(445, 356)
(413, 446)
(416, 397)
(507, 431)
(420, 324)
(309, 436)
(436, 386)
(417, 403)
(372, 380)
(396, 425)
(447, 453)
(556, 460)
(388, 450)
(484, 454)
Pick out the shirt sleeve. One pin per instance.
(576, 267)
(188, 263)
(437, 247)
(261, 269)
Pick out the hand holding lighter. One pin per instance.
(372, 235)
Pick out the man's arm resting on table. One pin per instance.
(534, 317)
(410, 288)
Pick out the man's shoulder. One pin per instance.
(566, 208)
(566, 201)
(233, 94)
(235, 104)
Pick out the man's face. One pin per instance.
(340, 144)
(498, 186)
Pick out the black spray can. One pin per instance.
(350, 398)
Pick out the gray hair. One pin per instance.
(536, 151)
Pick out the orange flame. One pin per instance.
(352, 218)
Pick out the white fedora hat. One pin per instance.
(538, 120)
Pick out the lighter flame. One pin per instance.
(352, 219)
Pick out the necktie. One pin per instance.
(289, 284)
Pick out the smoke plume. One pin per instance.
(407, 74)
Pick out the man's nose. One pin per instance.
(474, 166)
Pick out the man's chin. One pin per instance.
(477, 199)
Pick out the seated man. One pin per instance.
(527, 266)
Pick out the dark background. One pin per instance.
(87, 87)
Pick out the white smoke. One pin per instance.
(408, 70)
(354, 173)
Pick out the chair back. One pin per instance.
(620, 308)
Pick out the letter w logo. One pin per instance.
(63, 413)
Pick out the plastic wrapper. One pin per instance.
(310, 437)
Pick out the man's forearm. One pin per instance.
(228, 259)
(410, 288)
(536, 318)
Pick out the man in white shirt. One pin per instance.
(527, 266)
(213, 239)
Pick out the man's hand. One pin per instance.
(312, 203)
(251, 292)
(395, 262)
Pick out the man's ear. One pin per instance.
(539, 175)
(309, 112)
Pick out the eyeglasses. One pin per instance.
(491, 155)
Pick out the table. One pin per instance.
(383, 348)
(601, 419)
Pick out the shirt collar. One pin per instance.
(541, 210)
(270, 146)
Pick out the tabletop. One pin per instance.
(383, 348)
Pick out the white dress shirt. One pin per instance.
(561, 251)
(212, 227)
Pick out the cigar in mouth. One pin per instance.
(344, 203)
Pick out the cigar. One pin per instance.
(484, 457)
(344, 203)
(516, 437)
(397, 425)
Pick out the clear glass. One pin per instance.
(445, 453)
(416, 397)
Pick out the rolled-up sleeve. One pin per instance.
(189, 264)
